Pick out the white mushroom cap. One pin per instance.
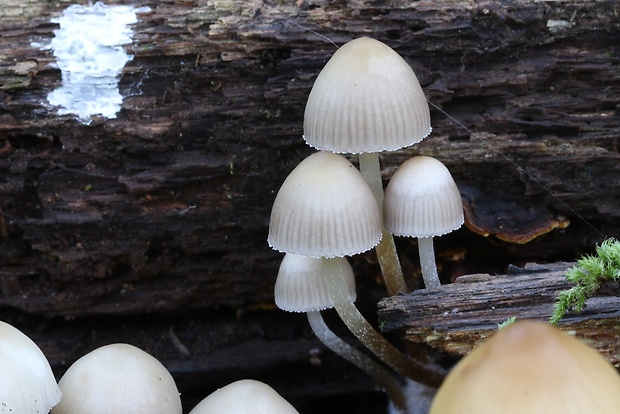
(118, 378)
(530, 367)
(301, 287)
(422, 200)
(324, 208)
(366, 99)
(244, 397)
(27, 384)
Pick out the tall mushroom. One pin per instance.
(325, 209)
(300, 287)
(423, 201)
(367, 99)
(27, 384)
(534, 368)
(118, 378)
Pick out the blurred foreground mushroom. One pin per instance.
(118, 378)
(27, 384)
(367, 99)
(244, 397)
(530, 367)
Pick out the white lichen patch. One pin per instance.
(88, 48)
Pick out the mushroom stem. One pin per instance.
(427, 262)
(372, 339)
(381, 375)
(386, 249)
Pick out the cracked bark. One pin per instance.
(159, 217)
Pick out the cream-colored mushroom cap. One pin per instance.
(27, 384)
(324, 208)
(118, 378)
(422, 200)
(366, 99)
(530, 367)
(300, 285)
(244, 397)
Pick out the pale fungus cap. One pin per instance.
(366, 99)
(301, 287)
(244, 397)
(324, 208)
(27, 384)
(118, 378)
(530, 367)
(422, 200)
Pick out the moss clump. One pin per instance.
(588, 275)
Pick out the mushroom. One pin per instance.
(300, 287)
(367, 99)
(534, 368)
(325, 209)
(423, 201)
(118, 378)
(244, 397)
(27, 384)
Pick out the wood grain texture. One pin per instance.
(454, 318)
(160, 215)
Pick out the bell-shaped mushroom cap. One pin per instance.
(366, 99)
(324, 208)
(118, 378)
(27, 384)
(301, 287)
(422, 200)
(244, 397)
(534, 368)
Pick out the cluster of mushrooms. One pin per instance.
(366, 100)
(113, 379)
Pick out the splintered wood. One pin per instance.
(454, 318)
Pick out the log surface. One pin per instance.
(158, 218)
(453, 319)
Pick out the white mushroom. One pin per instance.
(118, 378)
(27, 384)
(301, 287)
(367, 99)
(244, 397)
(423, 201)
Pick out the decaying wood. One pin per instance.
(453, 319)
(159, 216)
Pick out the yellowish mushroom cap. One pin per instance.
(366, 99)
(301, 287)
(422, 200)
(27, 384)
(324, 208)
(530, 367)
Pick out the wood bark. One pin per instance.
(151, 227)
(455, 318)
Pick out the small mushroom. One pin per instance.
(27, 384)
(118, 378)
(423, 201)
(534, 368)
(366, 100)
(325, 209)
(300, 287)
(244, 397)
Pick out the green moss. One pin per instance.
(588, 275)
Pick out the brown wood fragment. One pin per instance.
(454, 318)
